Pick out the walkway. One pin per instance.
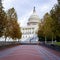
(28, 52)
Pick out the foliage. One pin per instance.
(9, 26)
(50, 27)
(55, 14)
(13, 26)
(3, 20)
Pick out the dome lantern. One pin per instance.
(34, 9)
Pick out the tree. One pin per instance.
(14, 29)
(47, 29)
(50, 27)
(3, 20)
(55, 14)
(16, 33)
(40, 32)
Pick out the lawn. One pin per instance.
(57, 43)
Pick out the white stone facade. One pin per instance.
(31, 29)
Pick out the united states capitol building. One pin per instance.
(30, 31)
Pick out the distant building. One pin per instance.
(32, 26)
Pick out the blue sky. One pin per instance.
(24, 8)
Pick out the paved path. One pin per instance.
(28, 52)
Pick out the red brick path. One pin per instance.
(27, 52)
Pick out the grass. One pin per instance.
(57, 43)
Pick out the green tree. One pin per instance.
(50, 27)
(55, 14)
(40, 32)
(47, 29)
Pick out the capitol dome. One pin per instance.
(34, 18)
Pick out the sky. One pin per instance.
(24, 8)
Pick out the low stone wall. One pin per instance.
(29, 43)
(8, 44)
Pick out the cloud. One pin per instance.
(24, 19)
(7, 4)
(44, 7)
(25, 7)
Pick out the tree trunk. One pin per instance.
(18, 40)
(52, 39)
(45, 40)
(5, 39)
